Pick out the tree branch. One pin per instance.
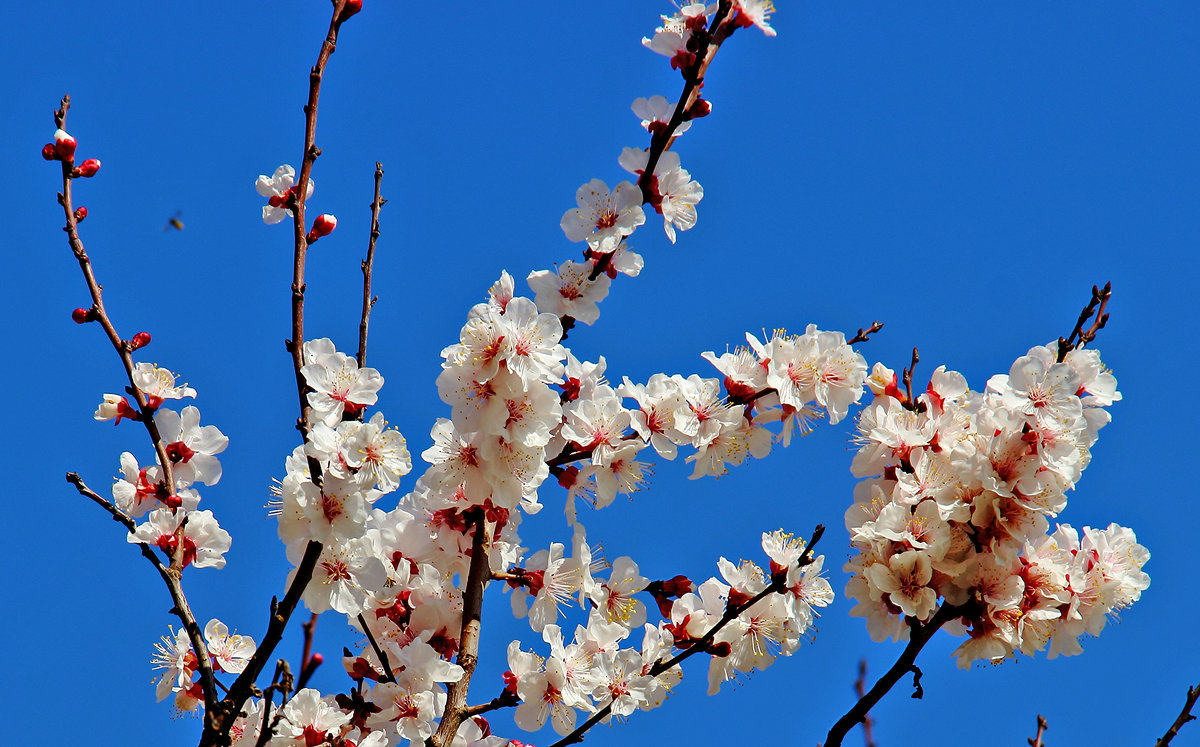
(860, 688)
(777, 586)
(379, 653)
(1185, 715)
(468, 649)
(1079, 336)
(367, 264)
(172, 577)
(1036, 740)
(918, 637)
(171, 574)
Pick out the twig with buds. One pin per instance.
(919, 635)
(367, 264)
(777, 586)
(1079, 336)
(1185, 715)
(64, 150)
(1036, 740)
(864, 335)
(281, 611)
(860, 689)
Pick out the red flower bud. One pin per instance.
(322, 226)
(82, 315)
(140, 340)
(48, 152)
(64, 146)
(80, 213)
(350, 8)
(88, 167)
(701, 108)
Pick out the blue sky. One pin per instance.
(962, 171)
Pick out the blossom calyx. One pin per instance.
(350, 8)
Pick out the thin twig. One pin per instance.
(919, 635)
(865, 334)
(468, 651)
(1036, 740)
(171, 577)
(777, 586)
(379, 653)
(171, 574)
(1079, 336)
(281, 682)
(307, 664)
(1185, 715)
(860, 689)
(367, 264)
(908, 379)
(219, 720)
(506, 699)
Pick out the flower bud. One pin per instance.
(88, 167)
(701, 108)
(80, 213)
(140, 340)
(350, 8)
(64, 146)
(48, 152)
(322, 226)
(82, 315)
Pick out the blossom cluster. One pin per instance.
(955, 511)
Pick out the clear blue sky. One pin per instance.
(963, 171)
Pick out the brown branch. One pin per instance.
(1079, 336)
(864, 335)
(709, 41)
(777, 586)
(227, 710)
(172, 577)
(1036, 740)
(281, 682)
(506, 699)
(468, 643)
(171, 574)
(907, 378)
(367, 264)
(307, 664)
(379, 653)
(860, 690)
(219, 721)
(1185, 715)
(919, 635)
(297, 205)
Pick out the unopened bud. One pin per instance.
(140, 340)
(88, 167)
(48, 152)
(82, 315)
(350, 8)
(80, 213)
(322, 226)
(64, 146)
(702, 108)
